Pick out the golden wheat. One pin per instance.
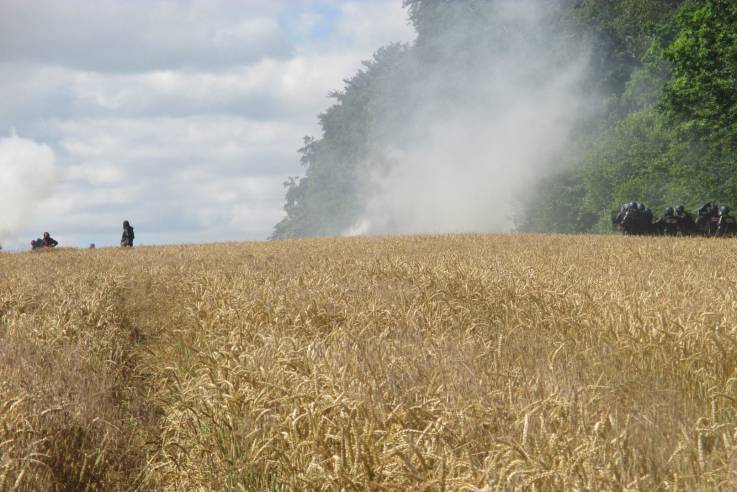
(427, 363)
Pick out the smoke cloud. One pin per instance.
(27, 174)
(491, 116)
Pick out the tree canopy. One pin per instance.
(664, 73)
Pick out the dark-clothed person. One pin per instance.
(727, 225)
(617, 218)
(631, 220)
(648, 214)
(686, 222)
(45, 242)
(48, 241)
(127, 240)
(707, 218)
(637, 220)
(668, 223)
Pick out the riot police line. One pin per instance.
(710, 220)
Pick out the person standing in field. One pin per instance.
(727, 225)
(686, 222)
(127, 240)
(668, 224)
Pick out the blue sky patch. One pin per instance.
(310, 24)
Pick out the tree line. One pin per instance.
(663, 74)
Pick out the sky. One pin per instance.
(182, 116)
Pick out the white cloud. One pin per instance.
(154, 145)
(115, 35)
(183, 116)
(96, 173)
(268, 88)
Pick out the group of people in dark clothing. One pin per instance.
(126, 241)
(710, 220)
(46, 242)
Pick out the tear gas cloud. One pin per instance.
(27, 174)
(490, 118)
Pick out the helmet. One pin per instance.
(634, 205)
(641, 207)
(669, 212)
(680, 209)
(724, 210)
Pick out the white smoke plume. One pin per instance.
(468, 154)
(27, 174)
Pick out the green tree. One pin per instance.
(326, 201)
(665, 73)
(701, 96)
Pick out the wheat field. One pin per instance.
(467, 362)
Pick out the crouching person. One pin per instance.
(46, 242)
